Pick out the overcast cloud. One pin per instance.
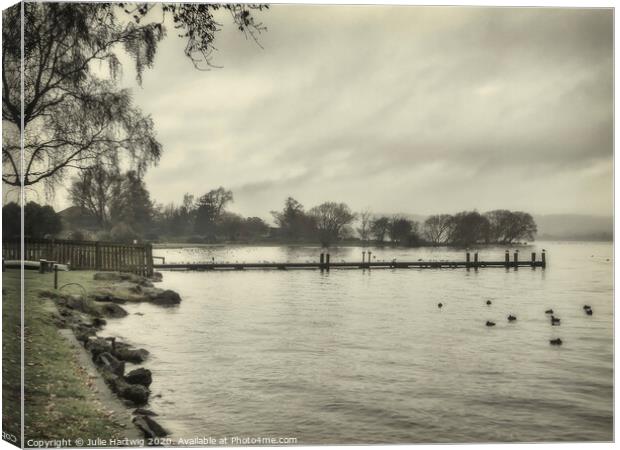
(400, 109)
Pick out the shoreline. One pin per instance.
(81, 320)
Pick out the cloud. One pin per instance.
(418, 109)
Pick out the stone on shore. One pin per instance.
(122, 276)
(124, 353)
(149, 427)
(112, 310)
(140, 376)
(164, 298)
(108, 362)
(157, 277)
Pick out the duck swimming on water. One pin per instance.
(489, 302)
(511, 318)
(557, 341)
(555, 320)
(490, 324)
(440, 305)
(549, 311)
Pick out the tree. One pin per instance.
(379, 228)
(73, 114)
(40, 221)
(437, 228)
(93, 189)
(469, 228)
(400, 230)
(11, 220)
(363, 230)
(131, 204)
(293, 221)
(209, 208)
(331, 218)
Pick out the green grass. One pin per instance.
(60, 401)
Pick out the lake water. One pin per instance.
(359, 356)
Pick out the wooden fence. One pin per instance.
(85, 255)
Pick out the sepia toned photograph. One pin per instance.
(235, 225)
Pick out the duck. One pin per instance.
(439, 305)
(489, 302)
(589, 312)
(511, 318)
(549, 311)
(490, 324)
(555, 320)
(586, 307)
(557, 341)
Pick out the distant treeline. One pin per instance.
(118, 207)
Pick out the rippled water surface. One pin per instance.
(358, 356)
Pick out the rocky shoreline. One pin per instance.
(86, 316)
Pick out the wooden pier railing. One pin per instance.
(324, 263)
(85, 255)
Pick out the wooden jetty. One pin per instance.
(324, 263)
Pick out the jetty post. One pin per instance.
(516, 259)
(327, 261)
(476, 260)
(533, 259)
(467, 260)
(507, 259)
(364, 257)
(322, 261)
(544, 258)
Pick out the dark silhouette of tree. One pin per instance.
(331, 218)
(469, 228)
(437, 229)
(209, 207)
(93, 190)
(293, 221)
(506, 227)
(40, 221)
(74, 116)
(11, 221)
(379, 228)
(400, 230)
(131, 204)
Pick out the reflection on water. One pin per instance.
(354, 356)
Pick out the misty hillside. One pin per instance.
(574, 227)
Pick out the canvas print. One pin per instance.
(298, 225)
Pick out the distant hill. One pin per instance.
(574, 227)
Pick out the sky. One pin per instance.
(401, 109)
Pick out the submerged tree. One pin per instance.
(73, 112)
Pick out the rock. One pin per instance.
(108, 362)
(144, 412)
(97, 345)
(157, 277)
(134, 392)
(166, 298)
(79, 303)
(108, 296)
(121, 276)
(112, 310)
(137, 289)
(149, 427)
(139, 376)
(98, 322)
(83, 332)
(124, 353)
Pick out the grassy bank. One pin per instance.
(60, 400)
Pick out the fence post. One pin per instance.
(97, 256)
(56, 276)
(149, 260)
